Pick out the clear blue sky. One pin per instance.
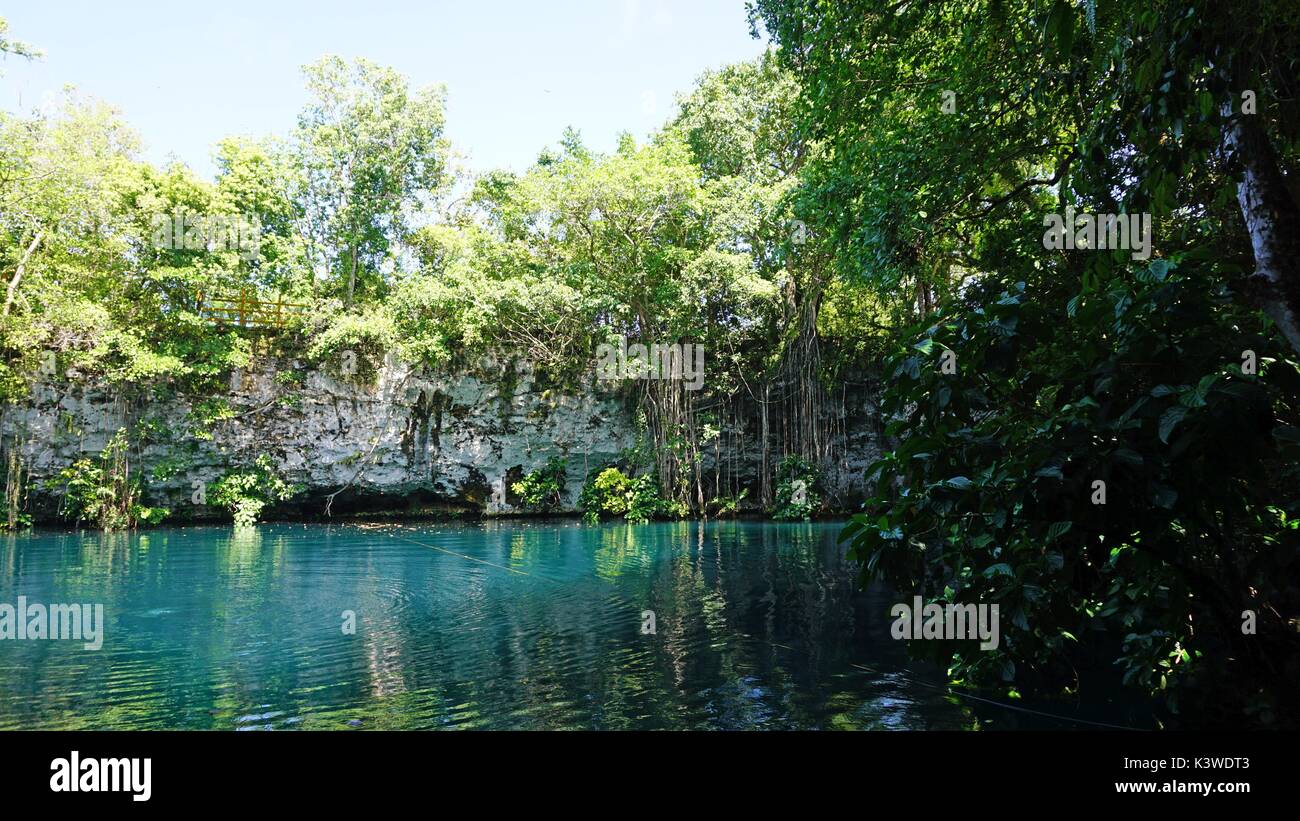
(185, 74)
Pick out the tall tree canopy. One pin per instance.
(1102, 443)
(370, 154)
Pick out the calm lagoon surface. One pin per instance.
(498, 625)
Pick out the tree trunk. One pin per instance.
(1273, 223)
(352, 276)
(765, 483)
(18, 273)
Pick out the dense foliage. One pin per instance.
(543, 489)
(797, 483)
(1101, 443)
(633, 498)
(102, 492)
(247, 492)
(363, 216)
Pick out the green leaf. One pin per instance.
(1057, 530)
(1164, 496)
(1060, 28)
(1286, 433)
(1169, 420)
(1129, 457)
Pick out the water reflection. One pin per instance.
(501, 625)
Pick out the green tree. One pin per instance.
(15, 47)
(369, 150)
(944, 117)
(1085, 439)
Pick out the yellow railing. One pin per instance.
(247, 311)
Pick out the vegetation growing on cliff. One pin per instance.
(363, 217)
(247, 492)
(635, 499)
(103, 492)
(543, 489)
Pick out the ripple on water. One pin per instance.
(502, 625)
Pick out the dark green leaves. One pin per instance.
(1169, 420)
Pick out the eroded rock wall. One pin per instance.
(412, 442)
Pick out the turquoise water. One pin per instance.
(503, 625)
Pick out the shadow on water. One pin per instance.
(501, 625)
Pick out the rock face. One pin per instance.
(411, 443)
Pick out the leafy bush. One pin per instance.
(102, 492)
(1104, 469)
(206, 413)
(606, 494)
(727, 505)
(246, 493)
(614, 494)
(352, 346)
(797, 482)
(543, 489)
(646, 503)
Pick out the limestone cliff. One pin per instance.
(412, 442)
